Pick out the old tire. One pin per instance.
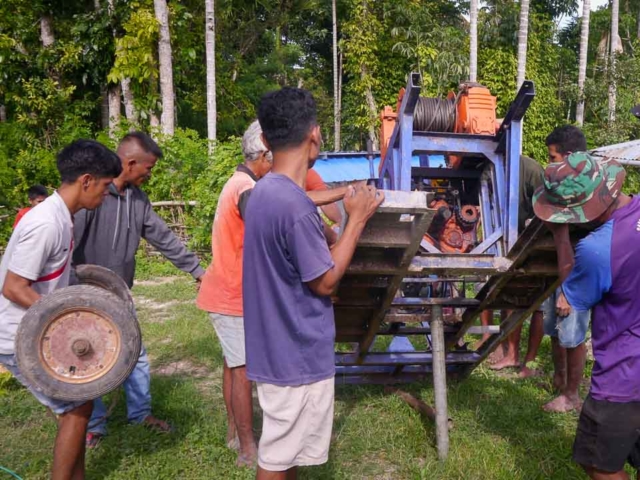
(78, 343)
(104, 278)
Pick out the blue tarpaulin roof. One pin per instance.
(350, 166)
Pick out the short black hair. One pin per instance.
(36, 191)
(286, 116)
(567, 139)
(87, 156)
(145, 142)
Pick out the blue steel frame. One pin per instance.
(500, 181)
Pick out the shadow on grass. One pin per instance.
(176, 400)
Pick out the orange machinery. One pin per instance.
(454, 228)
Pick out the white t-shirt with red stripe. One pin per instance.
(39, 250)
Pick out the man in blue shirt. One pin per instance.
(605, 278)
(289, 274)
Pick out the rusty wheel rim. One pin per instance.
(79, 345)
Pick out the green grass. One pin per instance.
(500, 431)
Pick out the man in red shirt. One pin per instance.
(221, 289)
(36, 194)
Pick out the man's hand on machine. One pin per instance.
(361, 202)
(332, 195)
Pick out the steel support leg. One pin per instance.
(440, 382)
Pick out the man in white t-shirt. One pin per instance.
(36, 262)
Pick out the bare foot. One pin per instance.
(505, 363)
(496, 356)
(249, 459)
(527, 372)
(563, 404)
(234, 443)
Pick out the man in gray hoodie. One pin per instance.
(109, 236)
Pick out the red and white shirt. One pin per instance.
(39, 250)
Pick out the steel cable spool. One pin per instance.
(435, 115)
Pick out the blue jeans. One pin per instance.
(138, 392)
(571, 330)
(56, 406)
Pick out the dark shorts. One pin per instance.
(608, 435)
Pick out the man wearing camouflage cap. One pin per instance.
(605, 278)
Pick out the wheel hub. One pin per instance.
(79, 345)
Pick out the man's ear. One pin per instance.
(130, 163)
(264, 140)
(316, 136)
(85, 180)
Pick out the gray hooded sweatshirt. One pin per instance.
(110, 235)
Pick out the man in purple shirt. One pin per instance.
(606, 278)
(289, 274)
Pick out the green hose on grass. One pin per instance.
(10, 472)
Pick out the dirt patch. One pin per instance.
(182, 367)
(156, 312)
(151, 304)
(156, 281)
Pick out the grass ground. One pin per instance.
(500, 432)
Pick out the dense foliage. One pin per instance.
(54, 91)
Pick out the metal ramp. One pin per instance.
(369, 304)
(406, 308)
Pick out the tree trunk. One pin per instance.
(336, 93)
(114, 109)
(473, 41)
(3, 114)
(129, 107)
(523, 33)
(340, 72)
(638, 24)
(104, 107)
(373, 110)
(582, 64)
(167, 118)
(46, 31)
(210, 41)
(154, 121)
(615, 11)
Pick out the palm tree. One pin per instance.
(336, 85)
(473, 38)
(615, 14)
(523, 33)
(210, 41)
(582, 65)
(124, 89)
(46, 31)
(167, 119)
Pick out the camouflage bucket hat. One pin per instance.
(578, 189)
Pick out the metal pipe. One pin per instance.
(440, 382)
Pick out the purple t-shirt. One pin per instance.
(289, 330)
(606, 278)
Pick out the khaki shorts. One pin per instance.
(296, 426)
(230, 331)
